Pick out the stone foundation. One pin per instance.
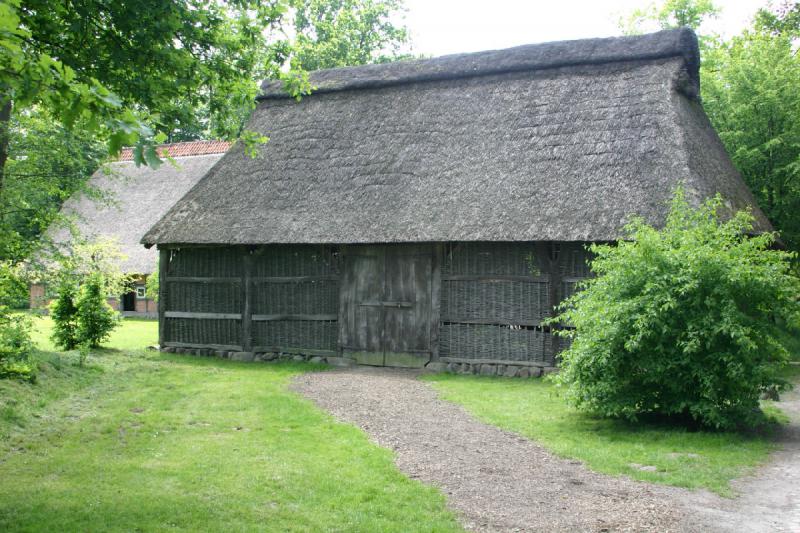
(491, 369)
(482, 369)
(260, 356)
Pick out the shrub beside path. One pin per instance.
(499, 481)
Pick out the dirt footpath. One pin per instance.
(494, 480)
(498, 481)
(769, 498)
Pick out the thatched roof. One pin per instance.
(556, 141)
(139, 197)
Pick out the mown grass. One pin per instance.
(791, 340)
(141, 441)
(58, 373)
(655, 453)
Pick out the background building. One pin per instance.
(139, 197)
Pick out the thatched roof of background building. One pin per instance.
(139, 196)
(555, 141)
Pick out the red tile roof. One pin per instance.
(183, 149)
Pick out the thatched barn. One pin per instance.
(435, 210)
(135, 197)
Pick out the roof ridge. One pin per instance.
(183, 149)
(681, 42)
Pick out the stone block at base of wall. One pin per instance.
(481, 369)
(490, 369)
(235, 355)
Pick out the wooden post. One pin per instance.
(247, 291)
(163, 265)
(436, 287)
(555, 258)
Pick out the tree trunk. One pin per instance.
(5, 130)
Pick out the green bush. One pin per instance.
(15, 329)
(96, 319)
(681, 322)
(15, 347)
(64, 313)
(152, 283)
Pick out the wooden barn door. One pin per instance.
(386, 305)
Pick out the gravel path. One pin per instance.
(769, 499)
(498, 481)
(494, 480)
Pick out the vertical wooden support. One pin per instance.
(247, 300)
(163, 265)
(555, 257)
(344, 294)
(436, 287)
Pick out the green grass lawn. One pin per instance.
(143, 441)
(534, 409)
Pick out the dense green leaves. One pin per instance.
(337, 33)
(64, 313)
(95, 318)
(751, 92)
(47, 164)
(682, 321)
(669, 14)
(81, 315)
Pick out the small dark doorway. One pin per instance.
(386, 304)
(128, 301)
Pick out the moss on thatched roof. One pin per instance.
(556, 141)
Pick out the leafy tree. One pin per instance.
(669, 14)
(95, 318)
(84, 263)
(30, 75)
(75, 71)
(751, 92)
(15, 347)
(186, 68)
(80, 259)
(783, 19)
(681, 322)
(64, 313)
(15, 343)
(47, 164)
(338, 33)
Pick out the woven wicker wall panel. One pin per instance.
(521, 301)
(204, 297)
(272, 297)
(203, 331)
(290, 260)
(493, 298)
(495, 258)
(205, 262)
(309, 297)
(276, 335)
(492, 342)
(574, 265)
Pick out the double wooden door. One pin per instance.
(386, 304)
